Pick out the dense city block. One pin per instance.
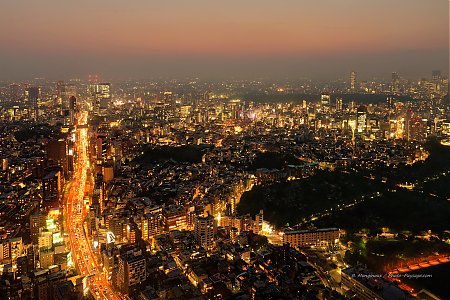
(193, 189)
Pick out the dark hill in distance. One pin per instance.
(186, 153)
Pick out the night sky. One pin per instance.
(139, 39)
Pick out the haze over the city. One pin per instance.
(214, 39)
(227, 150)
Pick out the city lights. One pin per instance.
(223, 150)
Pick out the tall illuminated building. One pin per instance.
(352, 106)
(418, 129)
(151, 225)
(45, 240)
(389, 101)
(304, 104)
(10, 250)
(339, 104)
(32, 98)
(100, 94)
(395, 83)
(258, 224)
(14, 92)
(46, 258)
(325, 100)
(16, 247)
(407, 125)
(57, 154)
(353, 80)
(204, 228)
(37, 221)
(66, 92)
(131, 271)
(436, 80)
(361, 119)
(91, 90)
(59, 88)
(72, 109)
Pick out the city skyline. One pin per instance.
(257, 39)
(297, 149)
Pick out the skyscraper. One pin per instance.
(436, 80)
(361, 118)
(66, 91)
(418, 129)
(407, 125)
(57, 154)
(72, 108)
(353, 80)
(14, 92)
(389, 101)
(325, 100)
(339, 104)
(100, 94)
(395, 82)
(32, 98)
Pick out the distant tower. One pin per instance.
(66, 91)
(352, 106)
(100, 94)
(57, 153)
(407, 124)
(395, 82)
(353, 141)
(353, 80)
(59, 88)
(361, 118)
(338, 104)
(389, 101)
(436, 76)
(304, 104)
(325, 100)
(32, 98)
(14, 92)
(206, 96)
(436, 80)
(72, 108)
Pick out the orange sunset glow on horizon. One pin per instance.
(267, 32)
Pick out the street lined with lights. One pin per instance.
(76, 212)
